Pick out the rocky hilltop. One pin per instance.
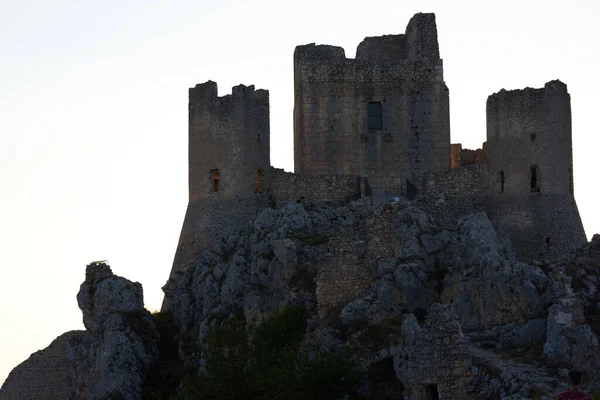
(390, 302)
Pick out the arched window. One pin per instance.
(259, 181)
(214, 177)
(501, 180)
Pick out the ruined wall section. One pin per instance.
(404, 76)
(45, 375)
(319, 190)
(464, 191)
(433, 360)
(470, 180)
(229, 166)
(531, 170)
(345, 271)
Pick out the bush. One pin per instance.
(269, 362)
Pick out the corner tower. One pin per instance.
(383, 114)
(530, 157)
(229, 166)
(228, 142)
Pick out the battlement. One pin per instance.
(318, 53)
(418, 43)
(207, 94)
(531, 98)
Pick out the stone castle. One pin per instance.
(377, 129)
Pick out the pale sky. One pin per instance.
(93, 119)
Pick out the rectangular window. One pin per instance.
(259, 181)
(215, 176)
(374, 116)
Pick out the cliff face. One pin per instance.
(424, 305)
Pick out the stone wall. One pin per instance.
(45, 375)
(434, 358)
(464, 181)
(332, 190)
(403, 76)
(541, 227)
(208, 223)
(346, 270)
(462, 157)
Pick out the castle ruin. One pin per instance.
(377, 128)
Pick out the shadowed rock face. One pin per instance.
(435, 292)
(109, 359)
(433, 303)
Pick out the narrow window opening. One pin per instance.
(534, 178)
(215, 176)
(532, 137)
(259, 181)
(374, 116)
(431, 392)
(258, 138)
(548, 240)
(501, 179)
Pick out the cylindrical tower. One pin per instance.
(529, 140)
(531, 165)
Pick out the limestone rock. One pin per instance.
(108, 360)
(112, 357)
(570, 341)
(407, 226)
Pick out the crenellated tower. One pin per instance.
(229, 166)
(229, 152)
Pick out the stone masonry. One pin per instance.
(46, 374)
(377, 128)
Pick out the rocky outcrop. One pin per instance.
(120, 343)
(570, 341)
(426, 305)
(108, 360)
(446, 292)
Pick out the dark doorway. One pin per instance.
(383, 384)
(431, 392)
(411, 190)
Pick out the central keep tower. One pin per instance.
(384, 114)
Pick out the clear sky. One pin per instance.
(93, 119)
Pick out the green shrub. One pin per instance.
(303, 276)
(269, 362)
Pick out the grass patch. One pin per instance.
(314, 240)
